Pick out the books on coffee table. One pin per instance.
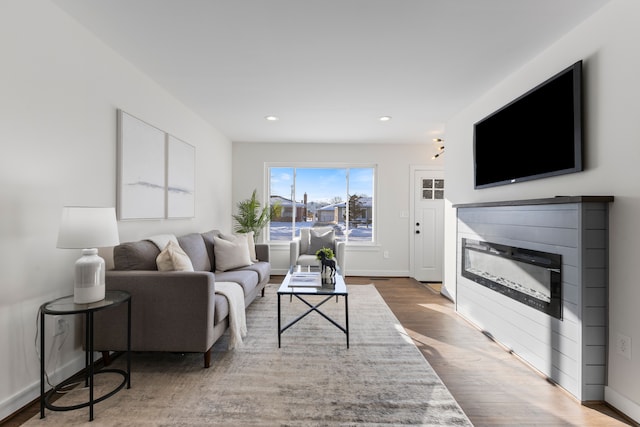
(300, 279)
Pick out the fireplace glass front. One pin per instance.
(530, 277)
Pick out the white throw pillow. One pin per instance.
(251, 243)
(173, 258)
(231, 252)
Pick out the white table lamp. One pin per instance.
(88, 228)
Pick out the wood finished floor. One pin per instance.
(493, 387)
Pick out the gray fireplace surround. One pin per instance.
(533, 274)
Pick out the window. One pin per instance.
(341, 197)
(432, 189)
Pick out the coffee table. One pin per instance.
(304, 290)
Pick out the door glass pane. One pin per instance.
(432, 189)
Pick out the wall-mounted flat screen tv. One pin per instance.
(537, 135)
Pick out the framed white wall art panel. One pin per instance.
(181, 177)
(141, 169)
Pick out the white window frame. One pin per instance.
(325, 165)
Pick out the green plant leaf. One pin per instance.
(250, 217)
(328, 253)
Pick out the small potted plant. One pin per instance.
(324, 253)
(251, 218)
(328, 270)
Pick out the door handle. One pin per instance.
(417, 231)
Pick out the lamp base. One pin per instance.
(89, 280)
(88, 295)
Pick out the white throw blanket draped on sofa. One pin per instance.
(237, 316)
(161, 240)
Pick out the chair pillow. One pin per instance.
(173, 258)
(231, 252)
(318, 241)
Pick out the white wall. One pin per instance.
(607, 43)
(59, 91)
(392, 196)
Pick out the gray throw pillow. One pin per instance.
(318, 241)
(140, 255)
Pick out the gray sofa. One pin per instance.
(174, 311)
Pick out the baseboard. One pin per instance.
(26, 396)
(622, 404)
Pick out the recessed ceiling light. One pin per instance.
(271, 118)
(385, 118)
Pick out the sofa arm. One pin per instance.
(262, 252)
(170, 311)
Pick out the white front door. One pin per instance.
(428, 225)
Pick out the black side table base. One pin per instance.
(66, 306)
(71, 380)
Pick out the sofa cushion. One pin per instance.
(194, 247)
(208, 243)
(262, 268)
(139, 255)
(308, 260)
(246, 278)
(230, 252)
(173, 258)
(319, 240)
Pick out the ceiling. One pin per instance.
(328, 69)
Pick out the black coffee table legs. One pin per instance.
(312, 308)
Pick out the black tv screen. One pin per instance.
(537, 135)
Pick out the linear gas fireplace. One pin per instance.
(530, 277)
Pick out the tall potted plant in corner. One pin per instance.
(251, 218)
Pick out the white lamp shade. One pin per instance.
(87, 227)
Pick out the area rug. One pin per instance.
(312, 380)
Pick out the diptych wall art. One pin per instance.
(180, 178)
(156, 172)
